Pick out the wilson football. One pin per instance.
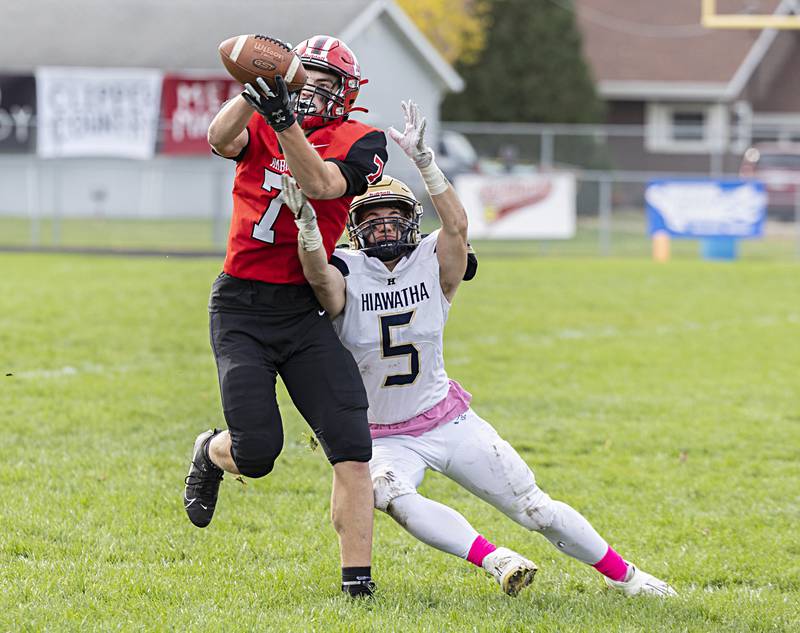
(247, 57)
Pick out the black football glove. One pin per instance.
(273, 106)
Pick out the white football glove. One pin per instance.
(304, 215)
(412, 139)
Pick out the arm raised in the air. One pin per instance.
(451, 245)
(326, 280)
(319, 179)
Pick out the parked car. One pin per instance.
(455, 154)
(777, 165)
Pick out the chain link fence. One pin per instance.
(613, 165)
(183, 204)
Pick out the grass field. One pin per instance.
(661, 401)
(626, 237)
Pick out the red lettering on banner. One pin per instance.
(187, 106)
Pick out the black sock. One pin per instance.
(357, 581)
(205, 451)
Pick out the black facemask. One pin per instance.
(375, 243)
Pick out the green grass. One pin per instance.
(659, 400)
(627, 237)
(191, 234)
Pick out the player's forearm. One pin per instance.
(228, 124)
(451, 213)
(318, 179)
(451, 245)
(445, 199)
(314, 266)
(325, 280)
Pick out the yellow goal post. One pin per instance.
(713, 20)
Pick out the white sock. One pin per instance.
(434, 524)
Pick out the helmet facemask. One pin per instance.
(387, 237)
(332, 105)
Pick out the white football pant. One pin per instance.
(470, 452)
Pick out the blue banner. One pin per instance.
(706, 208)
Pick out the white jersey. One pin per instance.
(393, 324)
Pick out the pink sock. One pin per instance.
(612, 565)
(480, 548)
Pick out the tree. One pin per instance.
(531, 69)
(456, 28)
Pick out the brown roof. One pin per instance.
(657, 40)
(781, 90)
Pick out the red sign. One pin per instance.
(188, 103)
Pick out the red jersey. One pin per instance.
(262, 243)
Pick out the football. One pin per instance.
(247, 57)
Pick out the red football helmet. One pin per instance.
(331, 55)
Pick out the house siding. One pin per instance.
(626, 112)
(630, 152)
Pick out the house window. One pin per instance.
(688, 126)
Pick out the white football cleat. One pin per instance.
(511, 571)
(641, 583)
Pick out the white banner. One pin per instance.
(519, 206)
(97, 111)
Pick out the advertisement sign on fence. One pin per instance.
(706, 208)
(97, 111)
(188, 103)
(519, 206)
(17, 112)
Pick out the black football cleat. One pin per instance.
(202, 483)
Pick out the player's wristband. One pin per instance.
(308, 234)
(435, 182)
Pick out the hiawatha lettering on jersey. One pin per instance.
(393, 299)
(394, 330)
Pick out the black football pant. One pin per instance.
(259, 331)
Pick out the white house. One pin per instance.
(691, 87)
(181, 35)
